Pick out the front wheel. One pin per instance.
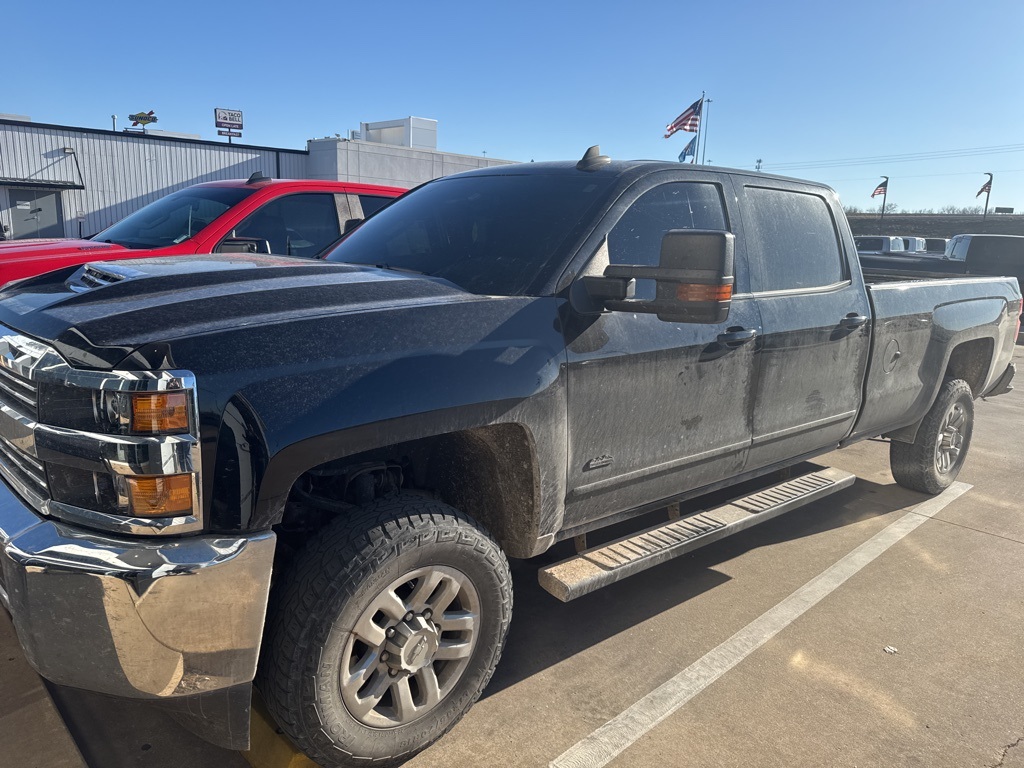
(932, 462)
(385, 631)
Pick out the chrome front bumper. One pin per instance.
(146, 619)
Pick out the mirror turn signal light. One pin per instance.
(698, 292)
(159, 412)
(160, 496)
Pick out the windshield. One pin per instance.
(173, 219)
(492, 235)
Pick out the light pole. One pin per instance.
(988, 194)
(113, 122)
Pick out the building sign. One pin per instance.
(228, 118)
(143, 118)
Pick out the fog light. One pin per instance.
(160, 496)
(159, 413)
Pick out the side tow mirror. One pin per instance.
(694, 278)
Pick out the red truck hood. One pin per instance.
(17, 250)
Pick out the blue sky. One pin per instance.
(791, 83)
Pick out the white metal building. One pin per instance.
(63, 181)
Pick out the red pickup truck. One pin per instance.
(258, 215)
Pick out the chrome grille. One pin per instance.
(17, 391)
(25, 468)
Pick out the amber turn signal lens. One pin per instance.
(160, 496)
(697, 292)
(159, 413)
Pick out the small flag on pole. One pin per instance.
(881, 188)
(690, 150)
(689, 121)
(985, 188)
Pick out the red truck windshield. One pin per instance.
(174, 218)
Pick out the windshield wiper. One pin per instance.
(399, 269)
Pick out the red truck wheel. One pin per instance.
(385, 631)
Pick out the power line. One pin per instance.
(927, 175)
(909, 157)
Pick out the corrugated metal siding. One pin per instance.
(123, 172)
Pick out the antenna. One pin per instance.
(593, 159)
(257, 177)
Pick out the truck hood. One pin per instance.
(18, 250)
(99, 313)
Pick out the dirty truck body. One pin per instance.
(496, 362)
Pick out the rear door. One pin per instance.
(816, 318)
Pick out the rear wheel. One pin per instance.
(385, 631)
(932, 462)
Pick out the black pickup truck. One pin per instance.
(312, 474)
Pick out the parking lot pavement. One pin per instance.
(946, 600)
(913, 658)
(32, 734)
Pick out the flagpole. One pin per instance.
(885, 194)
(987, 196)
(703, 121)
(700, 126)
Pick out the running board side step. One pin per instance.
(600, 566)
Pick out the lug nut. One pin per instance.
(385, 656)
(427, 614)
(408, 616)
(389, 632)
(393, 672)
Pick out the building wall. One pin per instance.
(117, 173)
(372, 163)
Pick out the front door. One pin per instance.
(657, 408)
(35, 213)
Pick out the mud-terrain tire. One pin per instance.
(932, 462)
(384, 631)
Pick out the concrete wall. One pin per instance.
(372, 163)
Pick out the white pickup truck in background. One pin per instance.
(879, 245)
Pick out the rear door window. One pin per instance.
(373, 203)
(793, 240)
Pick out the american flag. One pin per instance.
(881, 188)
(986, 187)
(688, 121)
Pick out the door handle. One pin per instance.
(735, 337)
(853, 320)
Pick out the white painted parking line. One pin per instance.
(603, 745)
